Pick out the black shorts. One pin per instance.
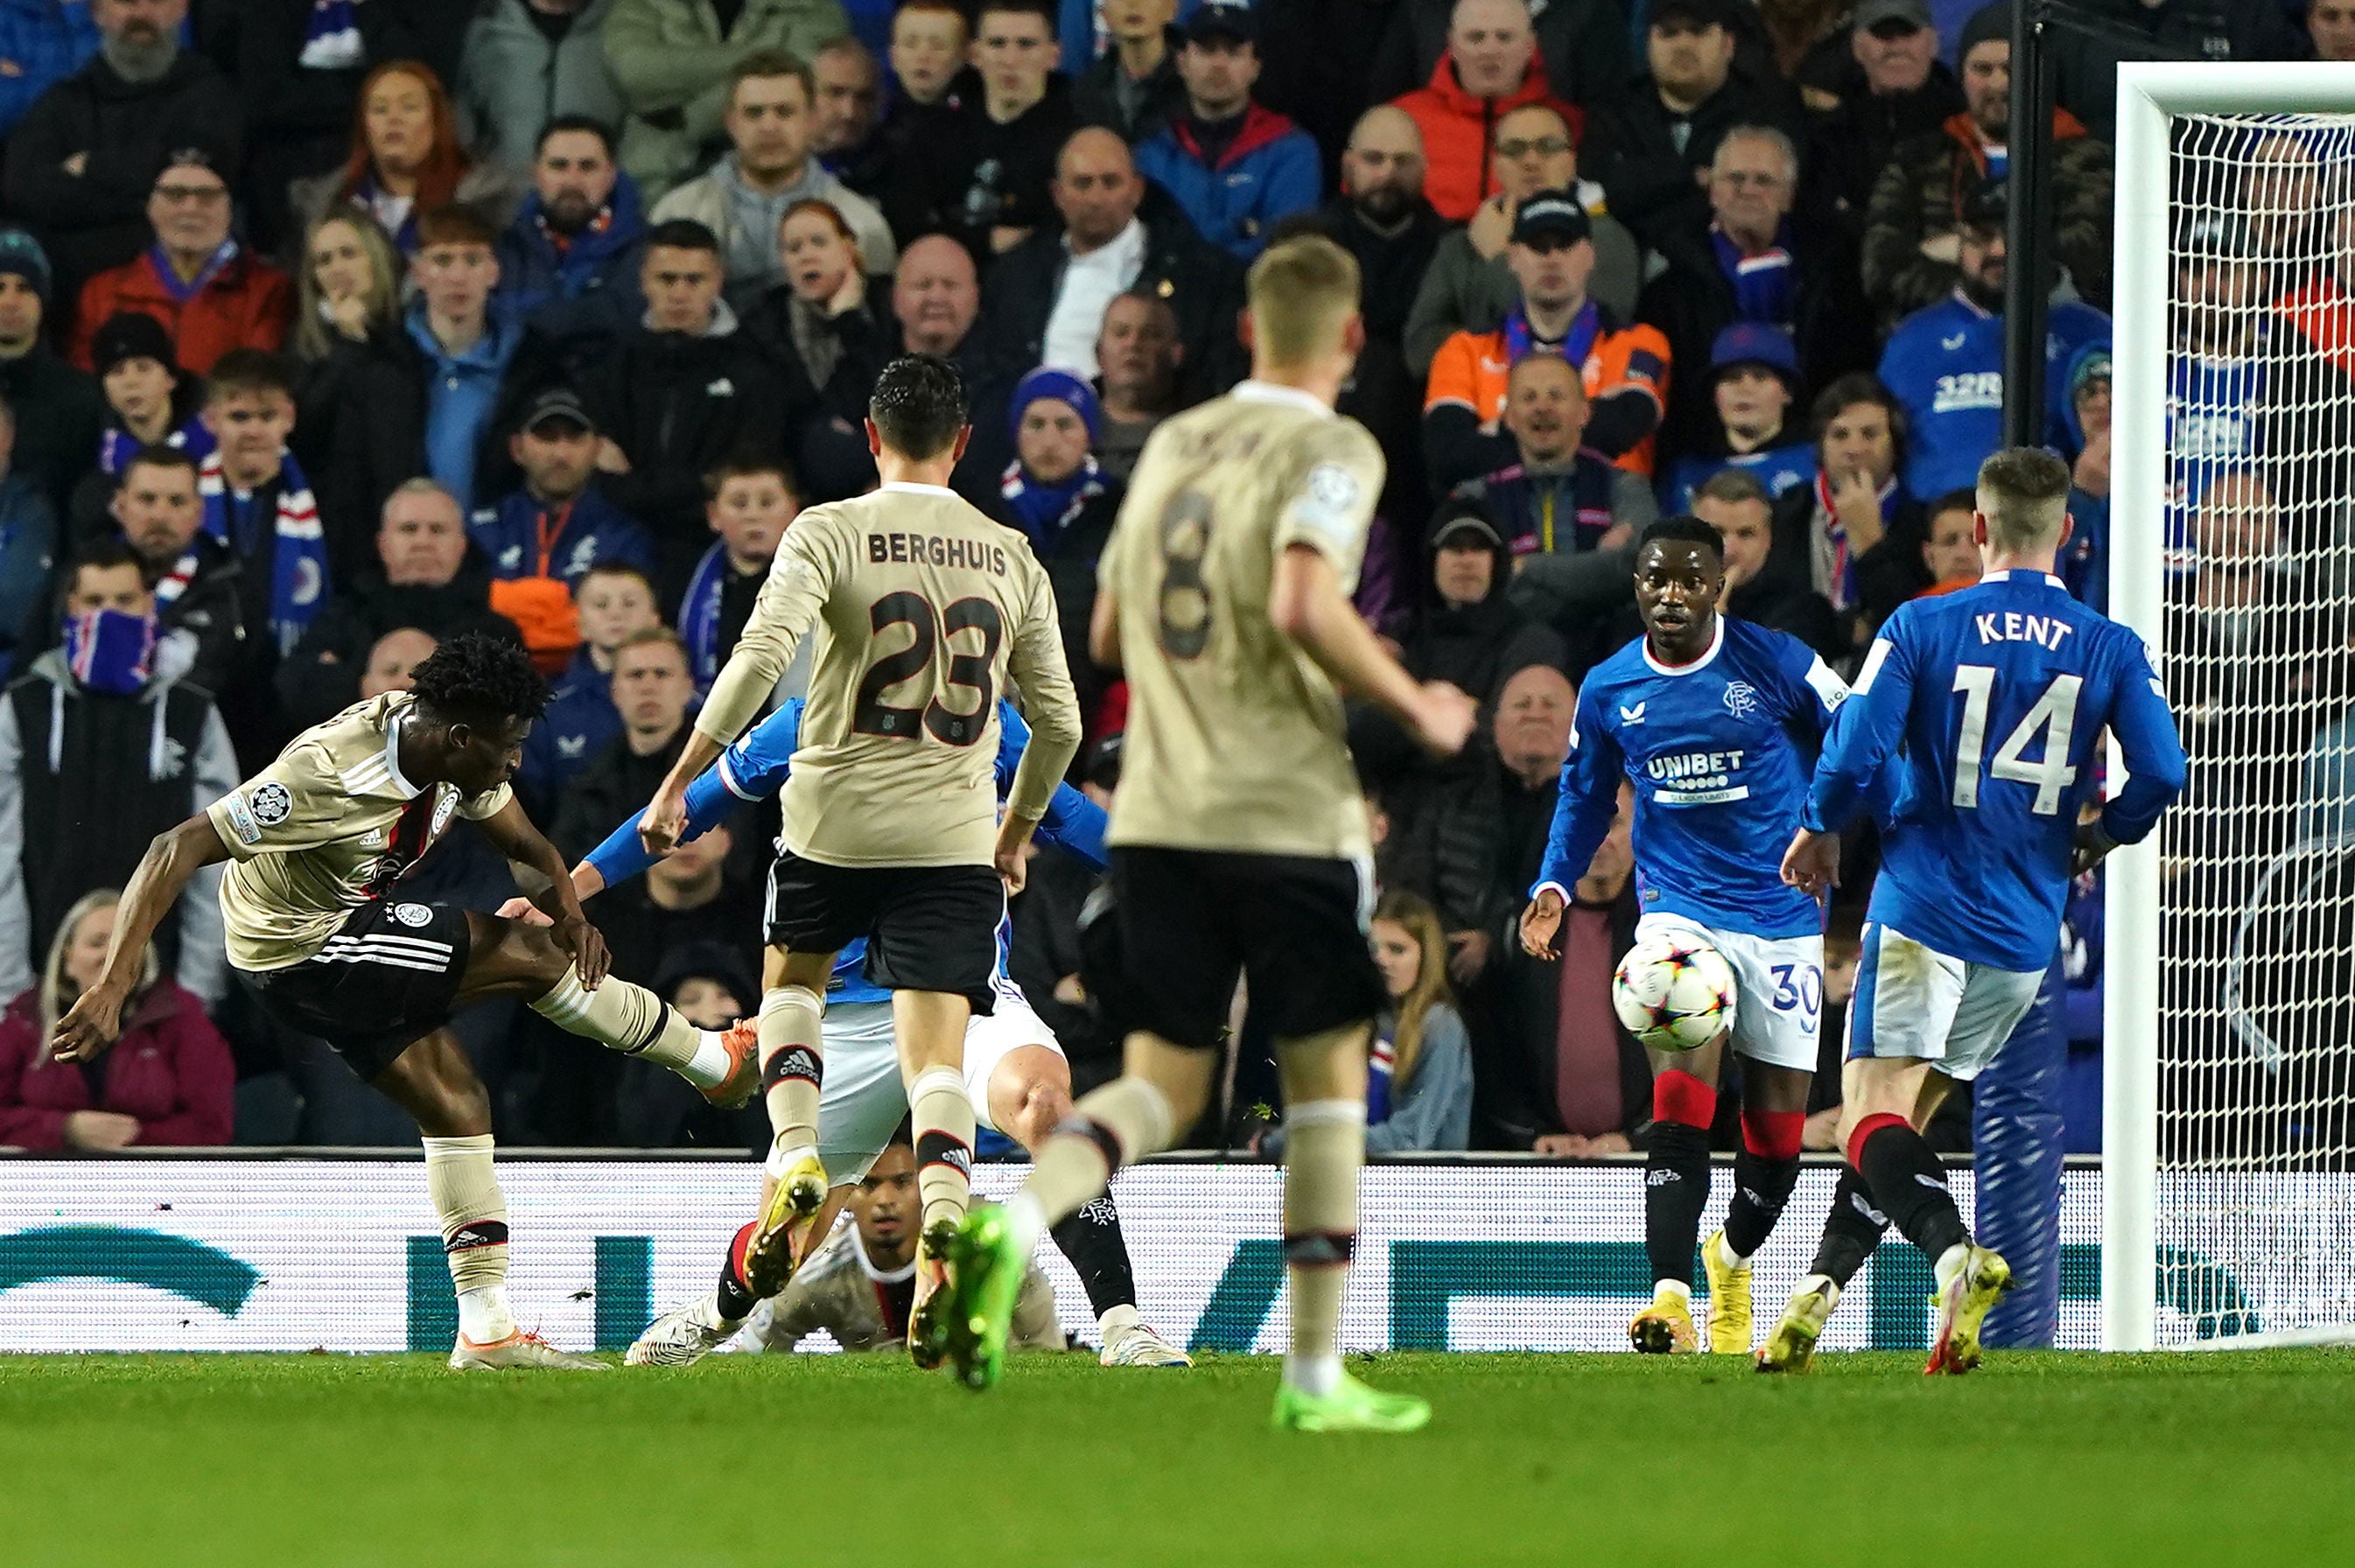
(1188, 922)
(386, 979)
(928, 928)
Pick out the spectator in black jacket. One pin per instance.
(1139, 358)
(1738, 507)
(1133, 87)
(429, 577)
(1057, 495)
(936, 301)
(818, 326)
(2085, 62)
(1045, 299)
(1319, 59)
(680, 392)
(83, 159)
(1892, 88)
(570, 259)
(1382, 218)
(1854, 536)
(60, 412)
(1650, 145)
(195, 577)
(1006, 135)
(652, 692)
(1046, 960)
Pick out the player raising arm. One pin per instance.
(1714, 722)
(1998, 696)
(319, 933)
(1239, 834)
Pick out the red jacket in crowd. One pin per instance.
(1459, 135)
(171, 1070)
(248, 303)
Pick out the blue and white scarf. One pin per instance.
(332, 39)
(698, 616)
(1521, 339)
(298, 577)
(1761, 283)
(111, 650)
(1043, 511)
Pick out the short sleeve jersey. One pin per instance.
(1235, 740)
(330, 825)
(924, 611)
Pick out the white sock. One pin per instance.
(707, 1068)
(782, 1157)
(1117, 1320)
(1727, 1255)
(1950, 1262)
(483, 1315)
(1675, 1287)
(1027, 1217)
(1319, 1375)
(706, 1313)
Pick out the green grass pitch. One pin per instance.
(799, 1461)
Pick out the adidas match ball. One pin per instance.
(1673, 993)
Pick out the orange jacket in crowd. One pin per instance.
(1459, 135)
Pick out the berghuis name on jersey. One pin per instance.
(975, 554)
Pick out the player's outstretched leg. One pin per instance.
(1324, 1151)
(1851, 1230)
(1764, 1171)
(434, 1083)
(685, 1335)
(1909, 1186)
(1676, 1189)
(1029, 1096)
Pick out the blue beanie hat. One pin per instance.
(22, 254)
(1048, 382)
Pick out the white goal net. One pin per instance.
(2232, 544)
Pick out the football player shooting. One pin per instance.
(318, 933)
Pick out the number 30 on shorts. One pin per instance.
(1797, 988)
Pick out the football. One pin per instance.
(1673, 993)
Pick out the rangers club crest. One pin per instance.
(1740, 698)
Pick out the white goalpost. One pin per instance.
(2229, 1028)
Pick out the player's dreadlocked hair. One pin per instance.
(475, 674)
(1682, 530)
(918, 405)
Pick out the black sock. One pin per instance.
(1909, 1185)
(1676, 1189)
(1761, 1188)
(1851, 1231)
(736, 1300)
(1090, 1238)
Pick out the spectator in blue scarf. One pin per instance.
(1061, 498)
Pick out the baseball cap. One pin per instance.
(1467, 522)
(1551, 215)
(1872, 14)
(1754, 343)
(558, 404)
(1227, 20)
(1988, 206)
(22, 254)
(1691, 13)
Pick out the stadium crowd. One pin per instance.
(330, 328)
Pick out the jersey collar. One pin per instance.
(2006, 574)
(1269, 392)
(900, 1275)
(392, 754)
(914, 489)
(1708, 656)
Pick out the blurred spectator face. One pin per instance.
(20, 311)
(1531, 727)
(1132, 21)
(768, 119)
(1382, 170)
(2283, 191)
(883, 1204)
(422, 539)
(2220, 297)
(1750, 188)
(1981, 257)
(188, 210)
(1014, 50)
(339, 262)
(119, 588)
(85, 955)
(1896, 56)
(706, 1003)
(849, 95)
(456, 278)
(2234, 527)
(818, 256)
(1751, 400)
(1218, 74)
(143, 24)
(1096, 188)
(1552, 273)
(1858, 440)
(612, 605)
(1138, 353)
(1398, 955)
(936, 295)
(139, 390)
(1463, 572)
(682, 288)
(2092, 404)
(392, 663)
(399, 123)
(1688, 63)
(927, 48)
(574, 177)
(2332, 25)
(556, 457)
(1986, 88)
(1951, 551)
(696, 860)
(1545, 408)
(252, 428)
(1492, 44)
(651, 688)
(158, 510)
(1052, 440)
(1748, 530)
(751, 514)
(1534, 153)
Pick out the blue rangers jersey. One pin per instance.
(1945, 362)
(1718, 752)
(1999, 695)
(2215, 408)
(755, 768)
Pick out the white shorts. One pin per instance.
(862, 1100)
(1914, 1002)
(1778, 1013)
